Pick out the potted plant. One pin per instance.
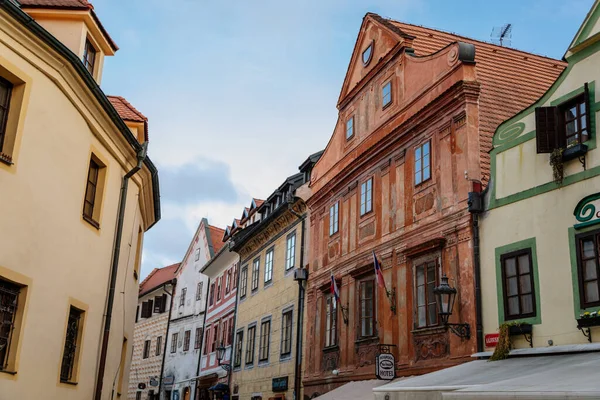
(520, 329)
(588, 319)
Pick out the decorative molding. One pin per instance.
(460, 120)
(424, 247)
(431, 346)
(330, 359)
(365, 353)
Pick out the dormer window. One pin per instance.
(367, 54)
(89, 56)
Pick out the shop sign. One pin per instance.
(491, 339)
(153, 382)
(385, 366)
(587, 211)
(168, 380)
(280, 384)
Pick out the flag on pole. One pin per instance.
(378, 273)
(334, 289)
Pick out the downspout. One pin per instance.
(164, 354)
(298, 366)
(477, 261)
(203, 331)
(141, 156)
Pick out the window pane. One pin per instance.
(420, 275)
(421, 316)
(571, 127)
(590, 270)
(588, 248)
(524, 264)
(513, 306)
(583, 123)
(571, 113)
(510, 267)
(426, 148)
(525, 281)
(420, 295)
(432, 314)
(426, 173)
(418, 153)
(527, 304)
(417, 177)
(582, 109)
(511, 286)
(426, 161)
(591, 292)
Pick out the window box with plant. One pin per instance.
(588, 319)
(562, 131)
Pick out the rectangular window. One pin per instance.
(367, 308)
(517, 285)
(333, 217)
(5, 96)
(199, 291)
(588, 267)
(366, 197)
(243, 282)
(186, 340)
(91, 200)
(426, 279)
(234, 283)
(330, 321)
(158, 345)
(265, 339)
(386, 94)
(290, 251)
(422, 163)
(138, 395)
(206, 339)
(250, 345)
(198, 338)
(255, 272)
(575, 120)
(228, 282)
(72, 345)
(9, 305)
(174, 342)
(215, 338)
(239, 341)
(230, 332)
(286, 333)
(350, 128)
(269, 266)
(197, 254)
(211, 296)
(158, 304)
(219, 287)
(182, 297)
(89, 56)
(147, 307)
(146, 353)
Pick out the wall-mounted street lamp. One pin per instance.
(220, 356)
(445, 296)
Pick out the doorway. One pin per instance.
(186, 393)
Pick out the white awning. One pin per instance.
(355, 390)
(535, 377)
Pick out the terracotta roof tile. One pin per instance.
(157, 277)
(69, 5)
(510, 79)
(128, 112)
(216, 237)
(258, 202)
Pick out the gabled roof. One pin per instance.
(82, 5)
(216, 235)
(157, 277)
(129, 112)
(585, 30)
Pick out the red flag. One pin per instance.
(378, 273)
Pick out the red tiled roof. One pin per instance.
(258, 202)
(510, 79)
(157, 277)
(216, 237)
(128, 112)
(69, 5)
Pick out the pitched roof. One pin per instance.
(128, 112)
(216, 237)
(258, 202)
(510, 79)
(70, 5)
(157, 277)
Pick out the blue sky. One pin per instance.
(239, 93)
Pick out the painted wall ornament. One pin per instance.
(586, 211)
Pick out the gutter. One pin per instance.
(141, 156)
(164, 354)
(21, 16)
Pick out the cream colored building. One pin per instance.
(265, 351)
(540, 240)
(149, 339)
(70, 166)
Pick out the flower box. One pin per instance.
(575, 151)
(521, 329)
(586, 322)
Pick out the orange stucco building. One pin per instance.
(417, 112)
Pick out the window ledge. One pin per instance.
(69, 383)
(331, 349)
(91, 222)
(430, 330)
(6, 159)
(366, 340)
(4, 371)
(286, 357)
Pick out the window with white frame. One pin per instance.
(366, 197)
(423, 163)
(334, 218)
(269, 266)
(290, 252)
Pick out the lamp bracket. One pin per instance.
(463, 331)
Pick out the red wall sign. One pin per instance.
(491, 339)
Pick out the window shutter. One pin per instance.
(163, 305)
(145, 309)
(150, 307)
(588, 110)
(137, 313)
(546, 126)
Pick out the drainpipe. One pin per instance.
(300, 276)
(202, 339)
(164, 353)
(141, 156)
(477, 260)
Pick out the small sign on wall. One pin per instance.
(491, 339)
(385, 366)
(280, 384)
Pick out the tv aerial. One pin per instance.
(502, 34)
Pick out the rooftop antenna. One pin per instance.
(502, 34)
